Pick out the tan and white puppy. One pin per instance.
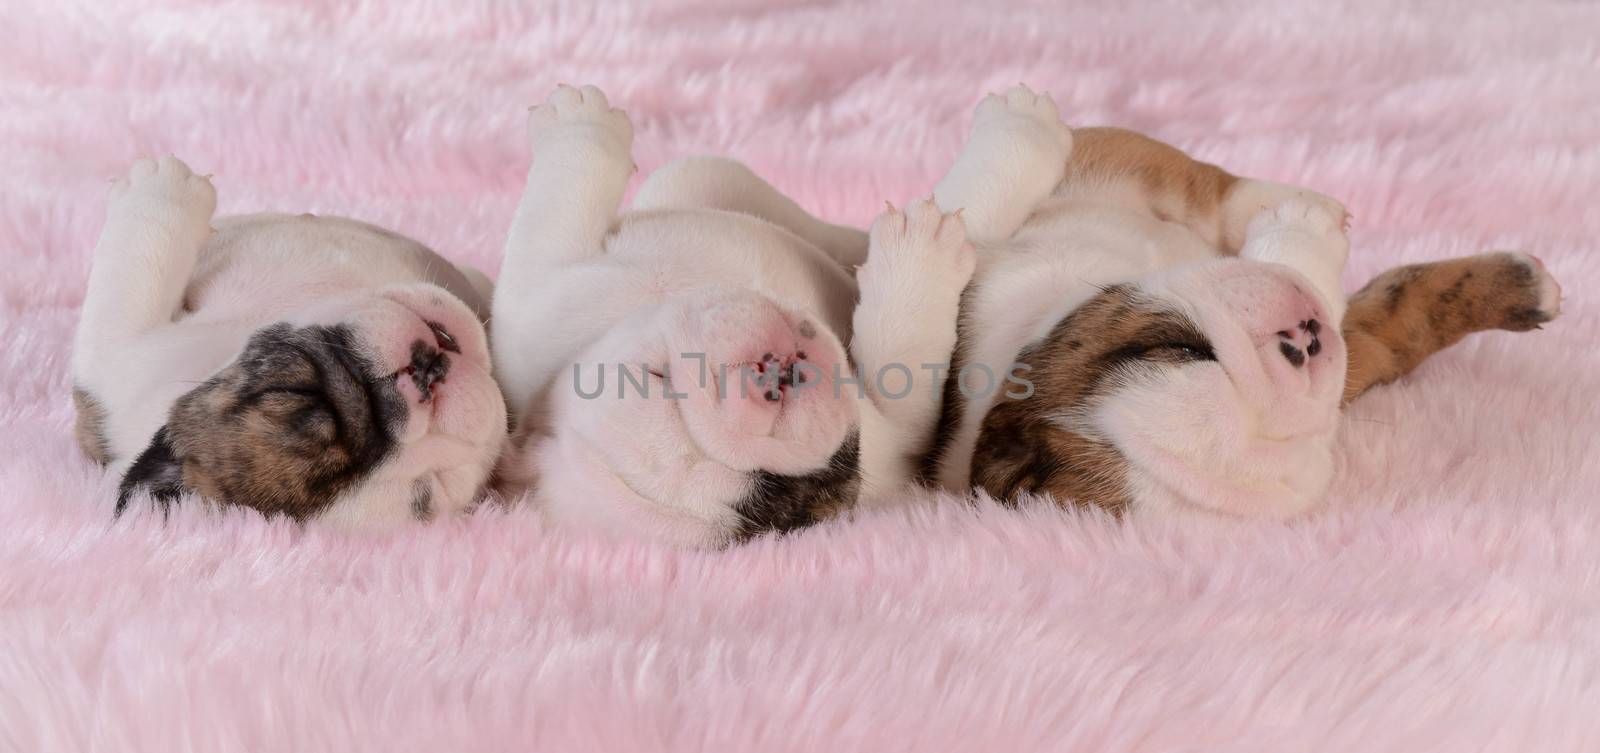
(308, 366)
(1178, 328)
(682, 370)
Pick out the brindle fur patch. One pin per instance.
(297, 419)
(1407, 314)
(1026, 447)
(90, 426)
(782, 503)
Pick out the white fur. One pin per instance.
(1244, 435)
(171, 302)
(711, 269)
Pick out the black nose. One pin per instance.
(1290, 343)
(1297, 357)
(428, 367)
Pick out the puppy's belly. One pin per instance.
(1110, 238)
(682, 250)
(267, 264)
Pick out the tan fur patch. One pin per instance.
(90, 426)
(1407, 314)
(1178, 188)
(1024, 447)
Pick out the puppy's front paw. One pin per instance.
(164, 190)
(1302, 219)
(921, 241)
(1298, 214)
(1528, 295)
(582, 113)
(1025, 114)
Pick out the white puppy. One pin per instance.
(1177, 329)
(681, 370)
(314, 367)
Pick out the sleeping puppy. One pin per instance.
(1181, 331)
(309, 366)
(681, 370)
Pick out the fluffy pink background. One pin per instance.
(1448, 599)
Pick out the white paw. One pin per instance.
(1548, 290)
(1306, 217)
(164, 189)
(1026, 114)
(582, 112)
(921, 241)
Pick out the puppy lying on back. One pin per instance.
(309, 366)
(681, 370)
(1182, 330)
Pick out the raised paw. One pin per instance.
(1297, 214)
(164, 191)
(1027, 114)
(580, 112)
(166, 183)
(922, 240)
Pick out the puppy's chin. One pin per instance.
(1191, 441)
(577, 490)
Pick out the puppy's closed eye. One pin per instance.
(1172, 351)
(1181, 351)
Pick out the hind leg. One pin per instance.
(1407, 314)
(1169, 184)
(720, 183)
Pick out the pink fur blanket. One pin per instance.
(1447, 599)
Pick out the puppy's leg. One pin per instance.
(580, 170)
(156, 221)
(1409, 313)
(719, 183)
(1161, 179)
(1308, 238)
(905, 325)
(581, 165)
(1016, 155)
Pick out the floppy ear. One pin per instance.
(156, 471)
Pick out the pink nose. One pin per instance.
(1300, 343)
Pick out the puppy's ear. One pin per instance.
(156, 471)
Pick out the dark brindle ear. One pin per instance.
(156, 471)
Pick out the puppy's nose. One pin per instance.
(776, 374)
(427, 368)
(1300, 343)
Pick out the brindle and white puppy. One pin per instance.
(309, 366)
(720, 291)
(1181, 326)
